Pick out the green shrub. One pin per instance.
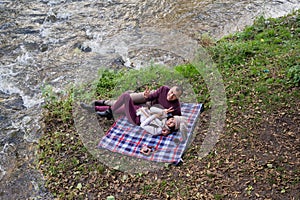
(58, 104)
(112, 83)
(293, 75)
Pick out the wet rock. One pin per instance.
(51, 18)
(30, 46)
(6, 25)
(118, 62)
(4, 50)
(26, 30)
(13, 101)
(43, 47)
(86, 49)
(82, 48)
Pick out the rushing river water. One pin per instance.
(53, 41)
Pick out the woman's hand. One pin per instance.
(165, 132)
(169, 110)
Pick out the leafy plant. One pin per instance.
(111, 83)
(152, 76)
(293, 75)
(59, 103)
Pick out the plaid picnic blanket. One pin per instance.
(126, 138)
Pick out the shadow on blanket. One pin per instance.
(128, 139)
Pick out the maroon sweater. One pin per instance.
(160, 97)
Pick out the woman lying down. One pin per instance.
(157, 121)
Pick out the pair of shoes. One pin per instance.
(99, 103)
(86, 107)
(108, 114)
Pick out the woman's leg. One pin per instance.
(125, 105)
(101, 108)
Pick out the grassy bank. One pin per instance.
(257, 156)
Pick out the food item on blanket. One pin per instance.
(146, 150)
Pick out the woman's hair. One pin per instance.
(172, 129)
(169, 115)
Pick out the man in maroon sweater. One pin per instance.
(164, 96)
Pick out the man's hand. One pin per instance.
(146, 92)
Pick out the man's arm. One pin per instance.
(155, 94)
(177, 110)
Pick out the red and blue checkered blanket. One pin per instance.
(126, 138)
